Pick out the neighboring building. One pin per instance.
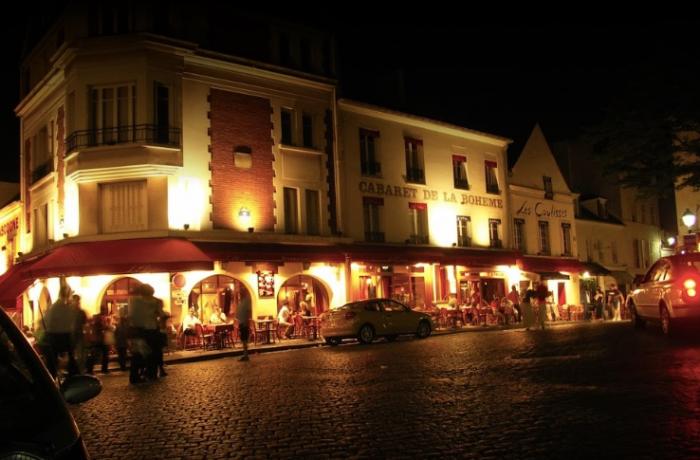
(631, 251)
(430, 200)
(687, 200)
(543, 213)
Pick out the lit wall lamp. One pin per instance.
(671, 240)
(688, 219)
(244, 217)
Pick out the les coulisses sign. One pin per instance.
(398, 191)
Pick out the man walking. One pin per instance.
(244, 313)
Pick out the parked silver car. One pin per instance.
(669, 293)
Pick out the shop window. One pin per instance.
(464, 231)
(495, 233)
(519, 234)
(371, 209)
(459, 172)
(303, 288)
(418, 214)
(368, 153)
(216, 292)
(491, 171)
(543, 227)
(116, 296)
(414, 161)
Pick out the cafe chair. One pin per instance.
(206, 337)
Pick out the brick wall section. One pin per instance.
(241, 120)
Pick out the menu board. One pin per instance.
(266, 283)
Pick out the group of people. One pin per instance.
(65, 329)
(604, 306)
(285, 317)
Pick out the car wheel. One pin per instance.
(637, 321)
(423, 330)
(391, 338)
(366, 334)
(666, 323)
(333, 341)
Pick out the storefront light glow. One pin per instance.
(688, 218)
(671, 240)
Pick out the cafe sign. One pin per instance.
(540, 209)
(378, 188)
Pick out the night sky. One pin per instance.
(500, 77)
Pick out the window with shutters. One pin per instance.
(123, 206)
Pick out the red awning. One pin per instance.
(551, 264)
(122, 256)
(13, 283)
(408, 254)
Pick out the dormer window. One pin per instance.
(548, 192)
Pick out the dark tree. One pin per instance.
(649, 138)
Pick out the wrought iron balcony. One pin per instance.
(136, 134)
(461, 183)
(418, 239)
(496, 244)
(42, 170)
(371, 168)
(374, 237)
(415, 175)
(464, 241)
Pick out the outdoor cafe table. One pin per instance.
(220, 331)
(263, 327)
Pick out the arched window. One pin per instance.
(303, 288)
(219, 291)
(116, 297)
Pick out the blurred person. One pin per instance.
(244, 314)
(59, 325)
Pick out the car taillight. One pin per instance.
(689, 286)
(349, 315)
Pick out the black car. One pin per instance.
(35, 422)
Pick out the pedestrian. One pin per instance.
(598, 302)
(99, 348)
(615, 300)
(121, 338)
(527, 307)
(541, 295)
(514, 298)
(143, 317)
(244, 314)
(59, 324)
(81, 318)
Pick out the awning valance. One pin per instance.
(141, 255)
(553, 276)
(369, 253)
(550, 264)
(595, 269)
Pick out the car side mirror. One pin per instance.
(80, 388)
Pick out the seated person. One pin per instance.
(284, 319)
(305, 311)
(188, 325)
(217, 317)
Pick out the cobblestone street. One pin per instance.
(575, 391)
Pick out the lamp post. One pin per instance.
(688, 219)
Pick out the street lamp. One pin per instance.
(671, 240)
(688, 219)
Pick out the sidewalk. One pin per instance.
(189, 356)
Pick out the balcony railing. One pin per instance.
(461, 183)
(42, 170)
(155, 134)
(418, 239)
(492, 188)
(374, 237)
(464, 241)
(415, 175)
(371, 168)
(496, 244)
